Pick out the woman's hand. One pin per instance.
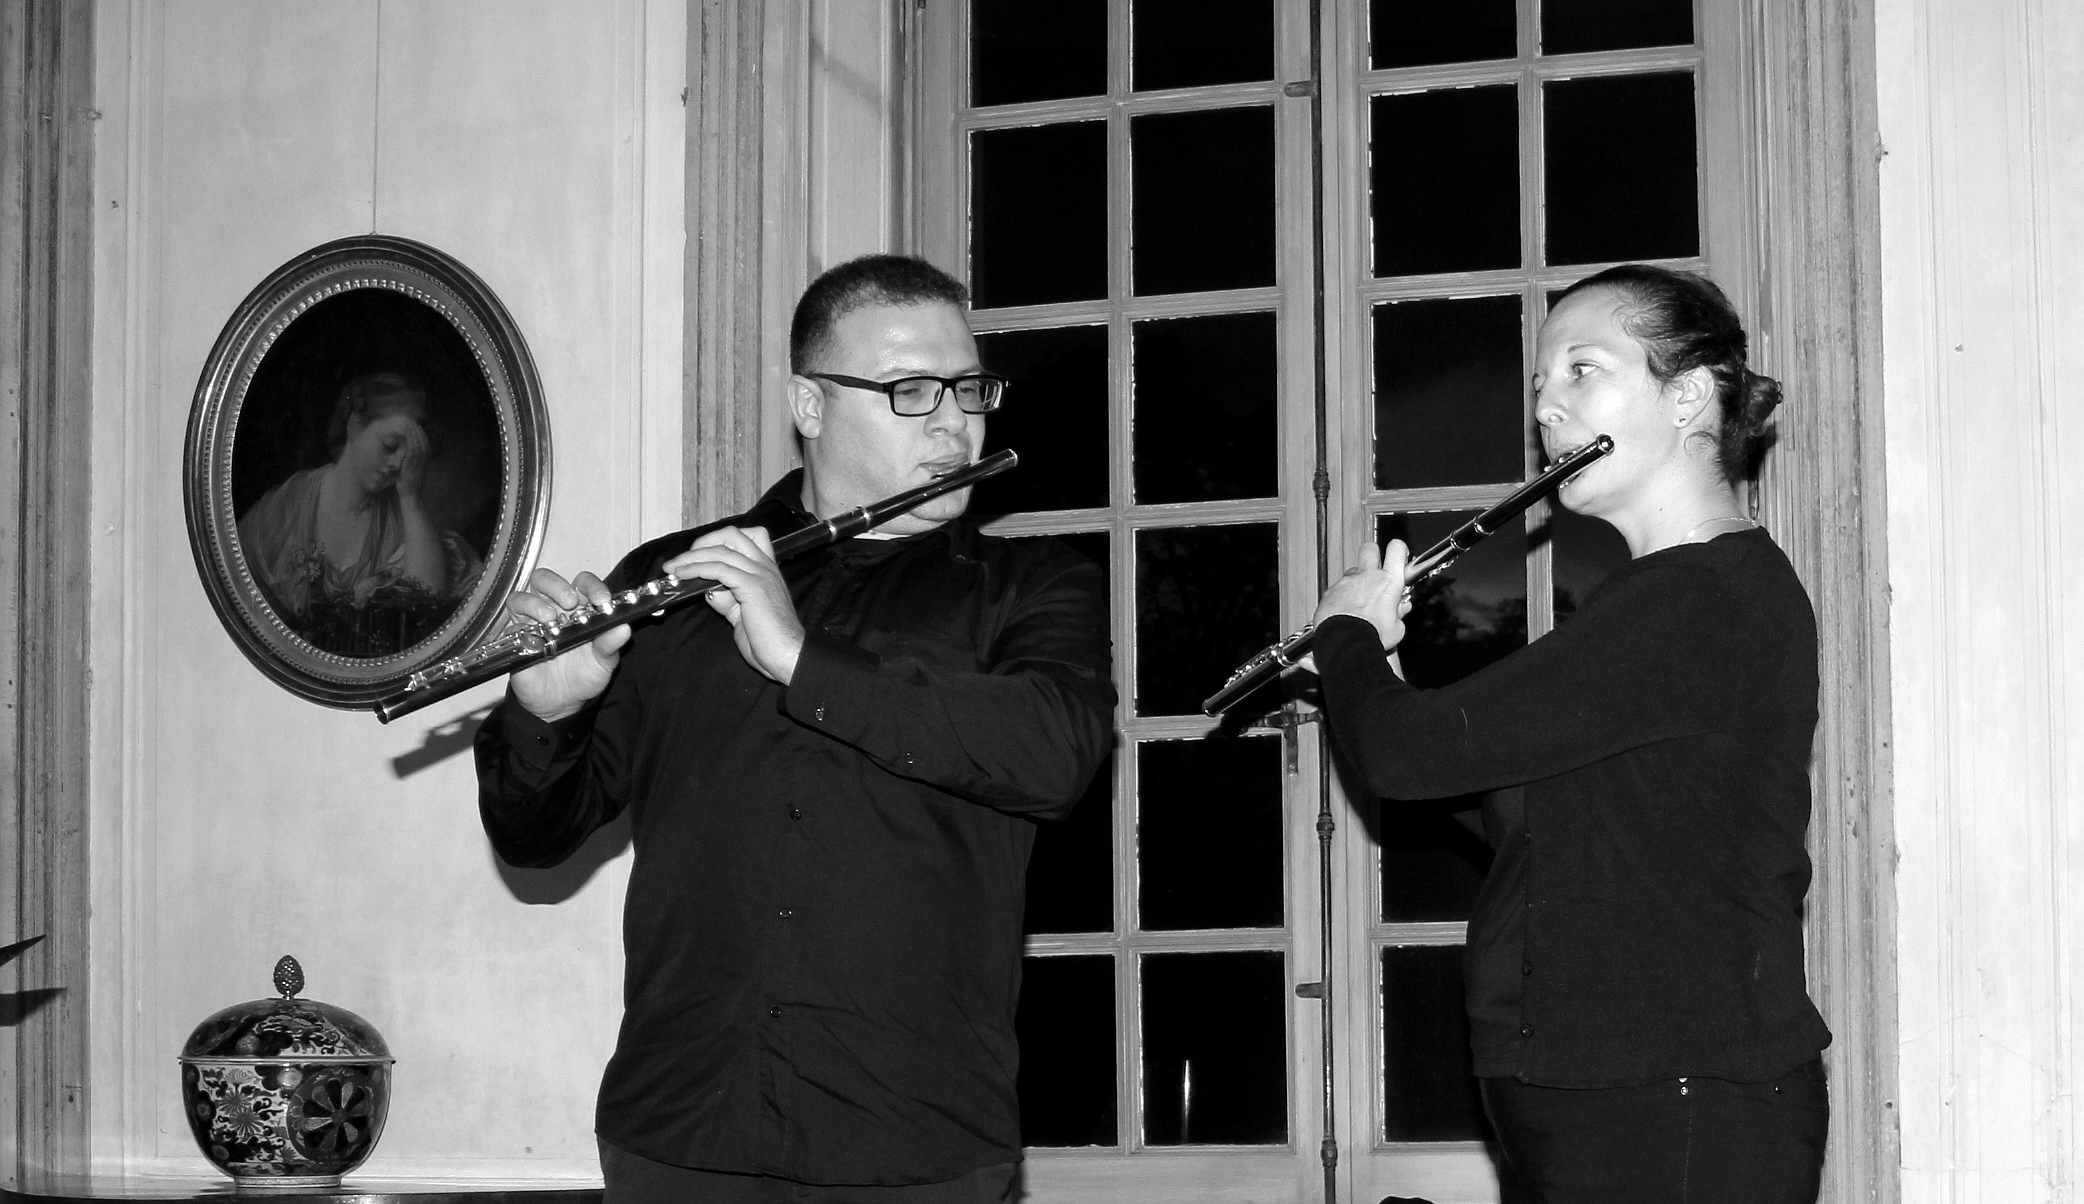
(412, 461)
(561, 686)
(1373, 590)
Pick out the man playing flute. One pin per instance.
(832, 774)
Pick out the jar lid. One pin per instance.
(286, 1028)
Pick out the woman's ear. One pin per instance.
(1691, 392)
(806, 406)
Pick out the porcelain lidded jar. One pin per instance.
(286, 1092)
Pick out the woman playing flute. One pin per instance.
(1639, 1018)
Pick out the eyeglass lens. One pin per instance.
(922, 394)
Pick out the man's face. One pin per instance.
(855, 449)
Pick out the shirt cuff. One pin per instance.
(535, 742)
(827, 692)
(1346, 634)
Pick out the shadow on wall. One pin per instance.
(563, 880)
(17, 1006)
(552, 885)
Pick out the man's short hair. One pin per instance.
(858, 284)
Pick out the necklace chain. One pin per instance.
(1739, 524)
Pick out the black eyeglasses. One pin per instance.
(918, 396)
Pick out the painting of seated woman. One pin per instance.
(366, 472)
(349, 551)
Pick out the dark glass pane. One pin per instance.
(1021, 51)
(1215, 1049)
(1205, 425)
(1575, 26)
(1585, 550)
(1054, 415)
(1066, 1029)
(1071, 873)
(1203, 215)
(1433, 860)
(1444, 180)
(1038, 214)
(1468, 615)
(1208, 833)
(1428, 1081)
(1417, 33)
(1193, 43)
(1448, 389)
(1622, 179)
(1207, 599)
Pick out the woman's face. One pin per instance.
(380, 449)
(1592, 378)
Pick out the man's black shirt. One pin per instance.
(823, 924)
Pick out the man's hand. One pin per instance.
(561, 686)
(750, 595)
(1373, 590)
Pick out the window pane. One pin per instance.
(1215, 1044)
(1066, 1030)
(1203, 214)
(1055, 415)
(1071, 873)
(1207, 599)
(1574, 26)
(1038, 214)
(1192, 43)
(1208, 833)
(1621, 168)
(1448, 392)
(1585, 550)
(1469, 614)
(1444, 180)
(1428, 1081)
(1021, 51)
(1433, 860)
(1417, 33)
(1206, 426)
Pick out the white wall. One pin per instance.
(541, 144)
(1981, 113)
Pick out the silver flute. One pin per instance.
(532, 642)
(1285, 653)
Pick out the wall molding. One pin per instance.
(1821, 336)
(722, 333)
(46, 267)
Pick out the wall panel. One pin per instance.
(1980, 238)
(540, 144)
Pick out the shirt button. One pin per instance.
(1526, 968)
(543, 740)
(819, 714)
(786, 912)
(795, 813)
(1526, 1030)
(775, 1011)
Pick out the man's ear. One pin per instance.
(1691, 392)
(806, 406)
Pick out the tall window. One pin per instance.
(1126, 185)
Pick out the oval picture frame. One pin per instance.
(371, 394)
